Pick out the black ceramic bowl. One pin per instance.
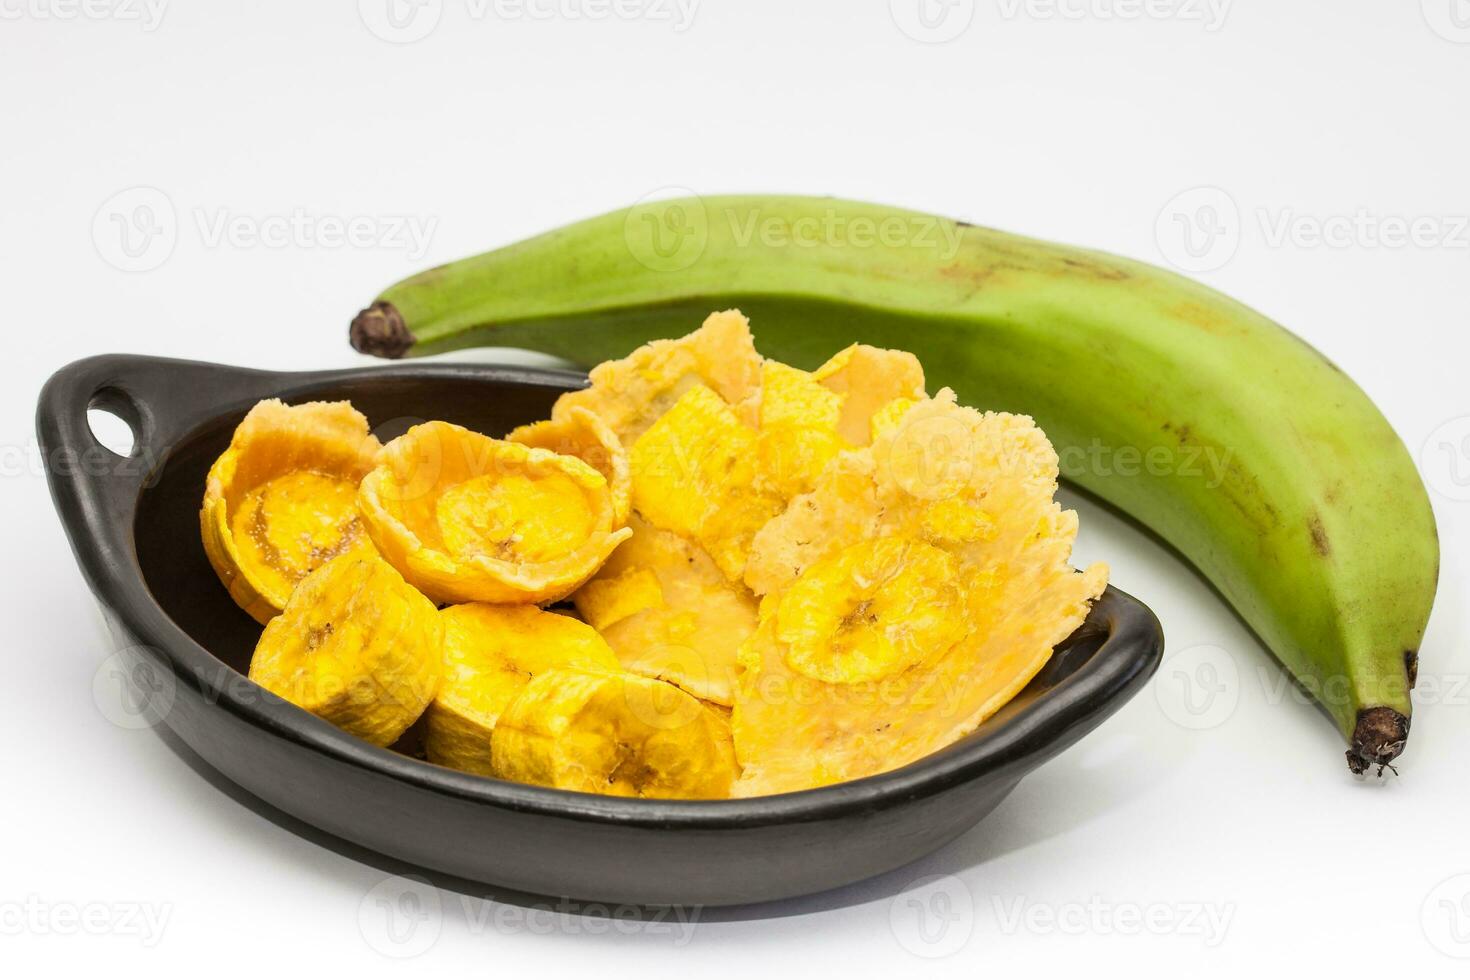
(134, 527)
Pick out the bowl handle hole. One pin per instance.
(112, 417)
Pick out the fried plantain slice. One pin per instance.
(719, 720)
(631, 394)
(668, 612)
(868, 378)
(701, 472)
(490, 653)
(875, 608)
(578, 432)
(798, 437)
(613, 733)
(467, 518)
(977, 488)
(843, 506)
(937, 472)
(695, 472)
(282, 499)
(357, 646)
(888, 417)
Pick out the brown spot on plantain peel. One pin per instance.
(1320, 541)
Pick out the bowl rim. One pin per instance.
(166, 401)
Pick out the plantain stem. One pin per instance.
(380, 331)
(1377, 740)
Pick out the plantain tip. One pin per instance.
(380, 331)
(1378, 739)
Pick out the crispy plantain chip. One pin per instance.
(874, 609)
(490, 653)
(356, 646)
(578, 432)
(282, 499)
(668, 612)
(866, 379)
(467, 518)
(872, 649)
(798, 437)
(614, 733)
(843, 506)
(695, 473)
(630, 395)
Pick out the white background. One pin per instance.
(1245, 844)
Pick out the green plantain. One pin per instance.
(1234, 440)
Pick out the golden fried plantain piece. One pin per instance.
(490, 653)
(356, 646)
(874, 609)
(899, 684)
(888, 417)
(798, 436)
(668, 612)
(719, 716)
(467, 518)
(843, 506)
(695, 473)
(613, 733)
(868, 378)
(282, 499)
(578, 432)
(631, 394)
(701, 471)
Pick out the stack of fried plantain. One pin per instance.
(774, 579)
